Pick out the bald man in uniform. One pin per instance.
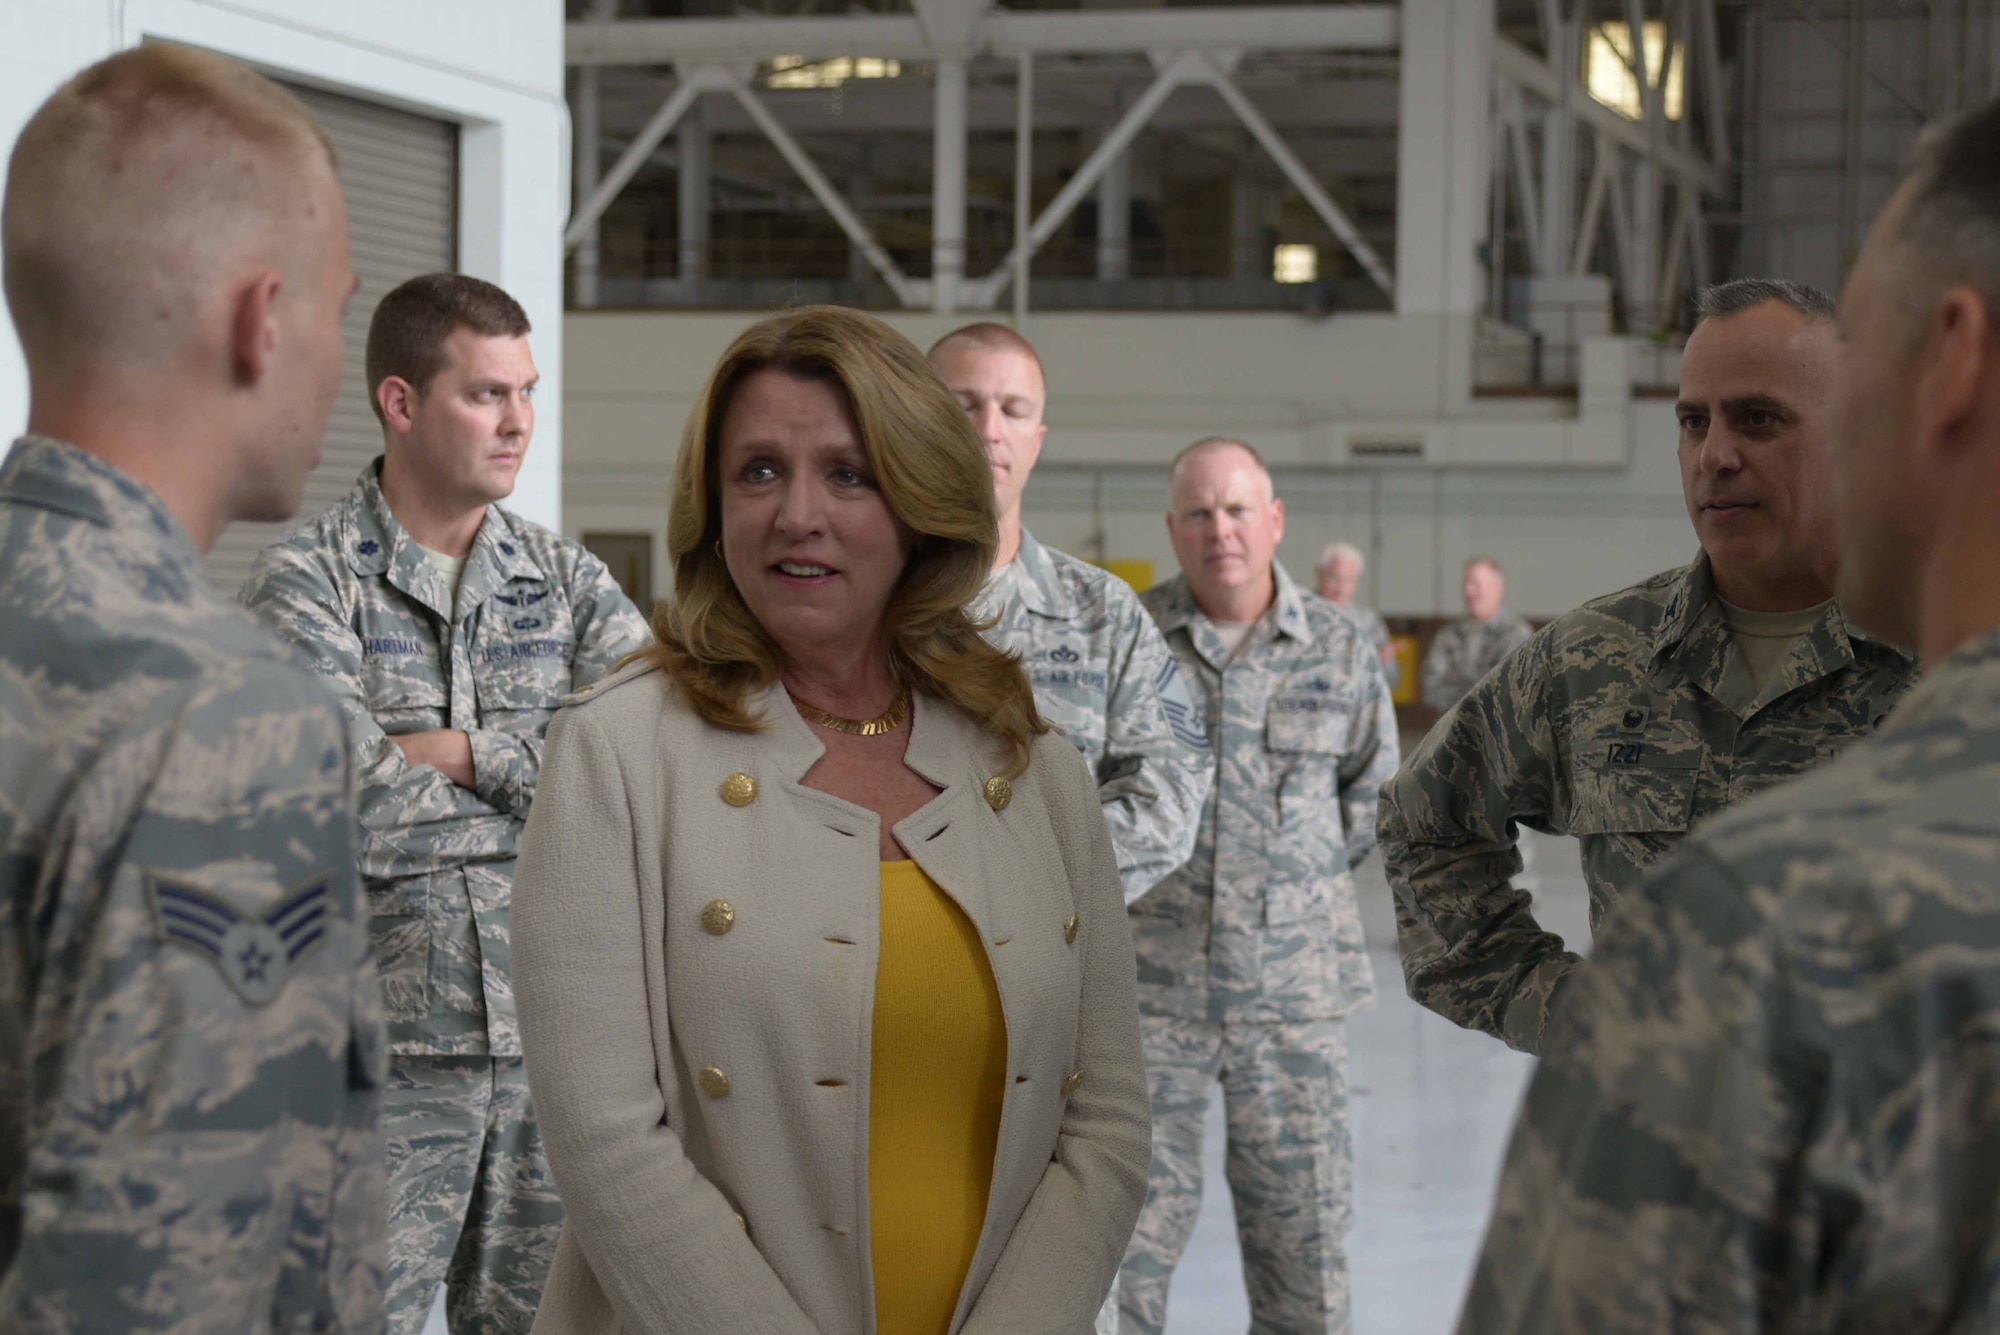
(191, 1048)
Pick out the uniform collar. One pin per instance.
(1701, 642)
(378, 545)
(56, 475)
(1286, 616)
(1041, 588)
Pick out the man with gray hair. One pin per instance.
(1338, 578)
(1631, 718)
(1776, 1109)
(191, 1045)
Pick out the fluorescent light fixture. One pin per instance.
(1295, 264)
(798, 72)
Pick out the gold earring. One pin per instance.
(718, 549)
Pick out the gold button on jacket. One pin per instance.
(739, 789)
(1069, 930)
(999, 793)
(718, 916)
(715, 1083)
(1069, 1085)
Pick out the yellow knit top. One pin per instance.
(937, 1080)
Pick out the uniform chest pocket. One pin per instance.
(522, 651)
(405, 692)
(1311, 723)
(1303, 736)
(1634, 785)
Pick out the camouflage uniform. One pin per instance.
(1772, 1108)
(535, 615)
(1611, 726)
(1102, 674)
(191, 1047)
(1251, 954)
(1377, 631)
(1465, 650)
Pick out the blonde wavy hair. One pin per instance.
(934, 475)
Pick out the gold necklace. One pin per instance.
(887, 721)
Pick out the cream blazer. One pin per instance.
(695, 975)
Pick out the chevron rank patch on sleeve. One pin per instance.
(254, 955)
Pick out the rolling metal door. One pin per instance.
(399, 173)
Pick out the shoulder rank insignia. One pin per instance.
(254, 955)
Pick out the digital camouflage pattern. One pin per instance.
(535, 617)
(1465, 650)
(1611, 726)
(1290, 1168)
(1261, 924)
(191, 1045)
(1377, 631)
(1250, 953)
(1772, 1108)
(1102, 675)
(479, 1211)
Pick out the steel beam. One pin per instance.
(1024, 165)
(948, 187)
(902, 37)
(692, 85)
(1533, 74)
(586, 172)
(1181, 69)
(908, 292)
(1296, 171)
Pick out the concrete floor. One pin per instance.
(1433, 1106)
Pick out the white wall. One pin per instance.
(493, 66)
(1127, 391)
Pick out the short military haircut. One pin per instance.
(1341, 551)
(134, 191)
(408, 331)
(1214, 444)
(1746, 294)
(994, 338)
(1487, 561)
(1951, 225)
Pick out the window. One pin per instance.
(1295, 264)
(1609, 68)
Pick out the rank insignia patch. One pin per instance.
(254, 955)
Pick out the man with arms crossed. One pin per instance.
(1251, 955)
(1100, 670)
(1465, 650)
(449, 630)
(1775, 1111)
(191, 1050)
(1638, 714)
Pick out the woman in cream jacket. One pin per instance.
(825, 985)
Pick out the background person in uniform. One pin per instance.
(1465, 650)
(190, 1032)
(449, 629)
(1251, 954)
(1776, 1112)
(1100, 671)
(1638, 714)
(825, 974)
(1338, 579)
